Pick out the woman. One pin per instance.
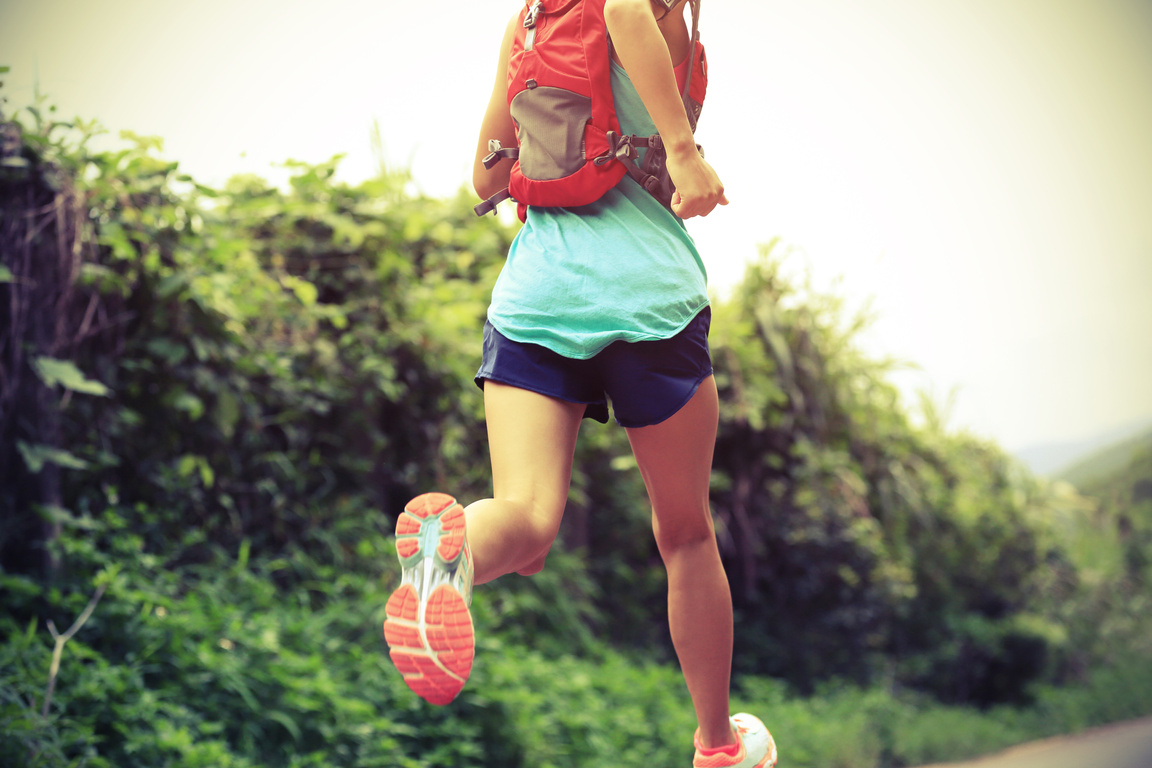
(601, 302)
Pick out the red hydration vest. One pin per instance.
(570, 147)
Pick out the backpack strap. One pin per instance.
(627, 152)
(490, 204)
(496, 153)
(650, 183)
(650, 173)
(694, 41)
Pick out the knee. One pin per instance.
(536, 529)
(540, 530)
(675, 533)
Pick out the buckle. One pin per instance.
(623, 148)
(533, 12)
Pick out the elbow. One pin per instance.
(483, 184)
(488, 182)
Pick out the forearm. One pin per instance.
(644, 55)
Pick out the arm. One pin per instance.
(644, 55)
(497, 124)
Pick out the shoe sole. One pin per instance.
(430, 636)
(768, 761)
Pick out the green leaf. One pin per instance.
(305, 291)
(189, 404)
(286, 721)
(226, 413)
(171, 351)
(187, 465)
(190, 463)
(104, 279)
(56, 514)
(19, 586)
(6, 275)
(114, 236)
(65, 373)
(207, 474)
(36, 456)
(172, 284)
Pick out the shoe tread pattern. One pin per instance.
(432, 644)
(434, 656)
(425, 509)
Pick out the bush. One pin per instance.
(215, 403)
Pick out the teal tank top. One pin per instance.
(621, 269)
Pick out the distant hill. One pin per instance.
(1110, 536)
(1055, 460)
(1106, 462)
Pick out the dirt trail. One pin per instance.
(1124, 745)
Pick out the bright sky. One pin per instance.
(979, 170)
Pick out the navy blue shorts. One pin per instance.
(647, 381)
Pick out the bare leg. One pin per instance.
(675, 459)
(532, 439)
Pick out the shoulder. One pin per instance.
(510, 29)
(514, 23)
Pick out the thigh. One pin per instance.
(675, 459)
(532, 438)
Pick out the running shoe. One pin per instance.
(754, 747)
(429, 627)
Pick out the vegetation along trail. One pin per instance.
(214, 403)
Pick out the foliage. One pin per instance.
(854, 536)
(1109, 535)
(213, 664)
(1122, 511)
(213, 404)
(243, 390)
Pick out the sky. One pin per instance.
(975, 173)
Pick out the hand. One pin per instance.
(698, 188)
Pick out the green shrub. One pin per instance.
(217, 401)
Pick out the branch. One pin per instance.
(60, 640)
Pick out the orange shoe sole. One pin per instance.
(430, 637)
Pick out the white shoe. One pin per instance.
(756, 747)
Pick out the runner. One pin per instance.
(600, 302)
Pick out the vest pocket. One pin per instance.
(550, 127)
